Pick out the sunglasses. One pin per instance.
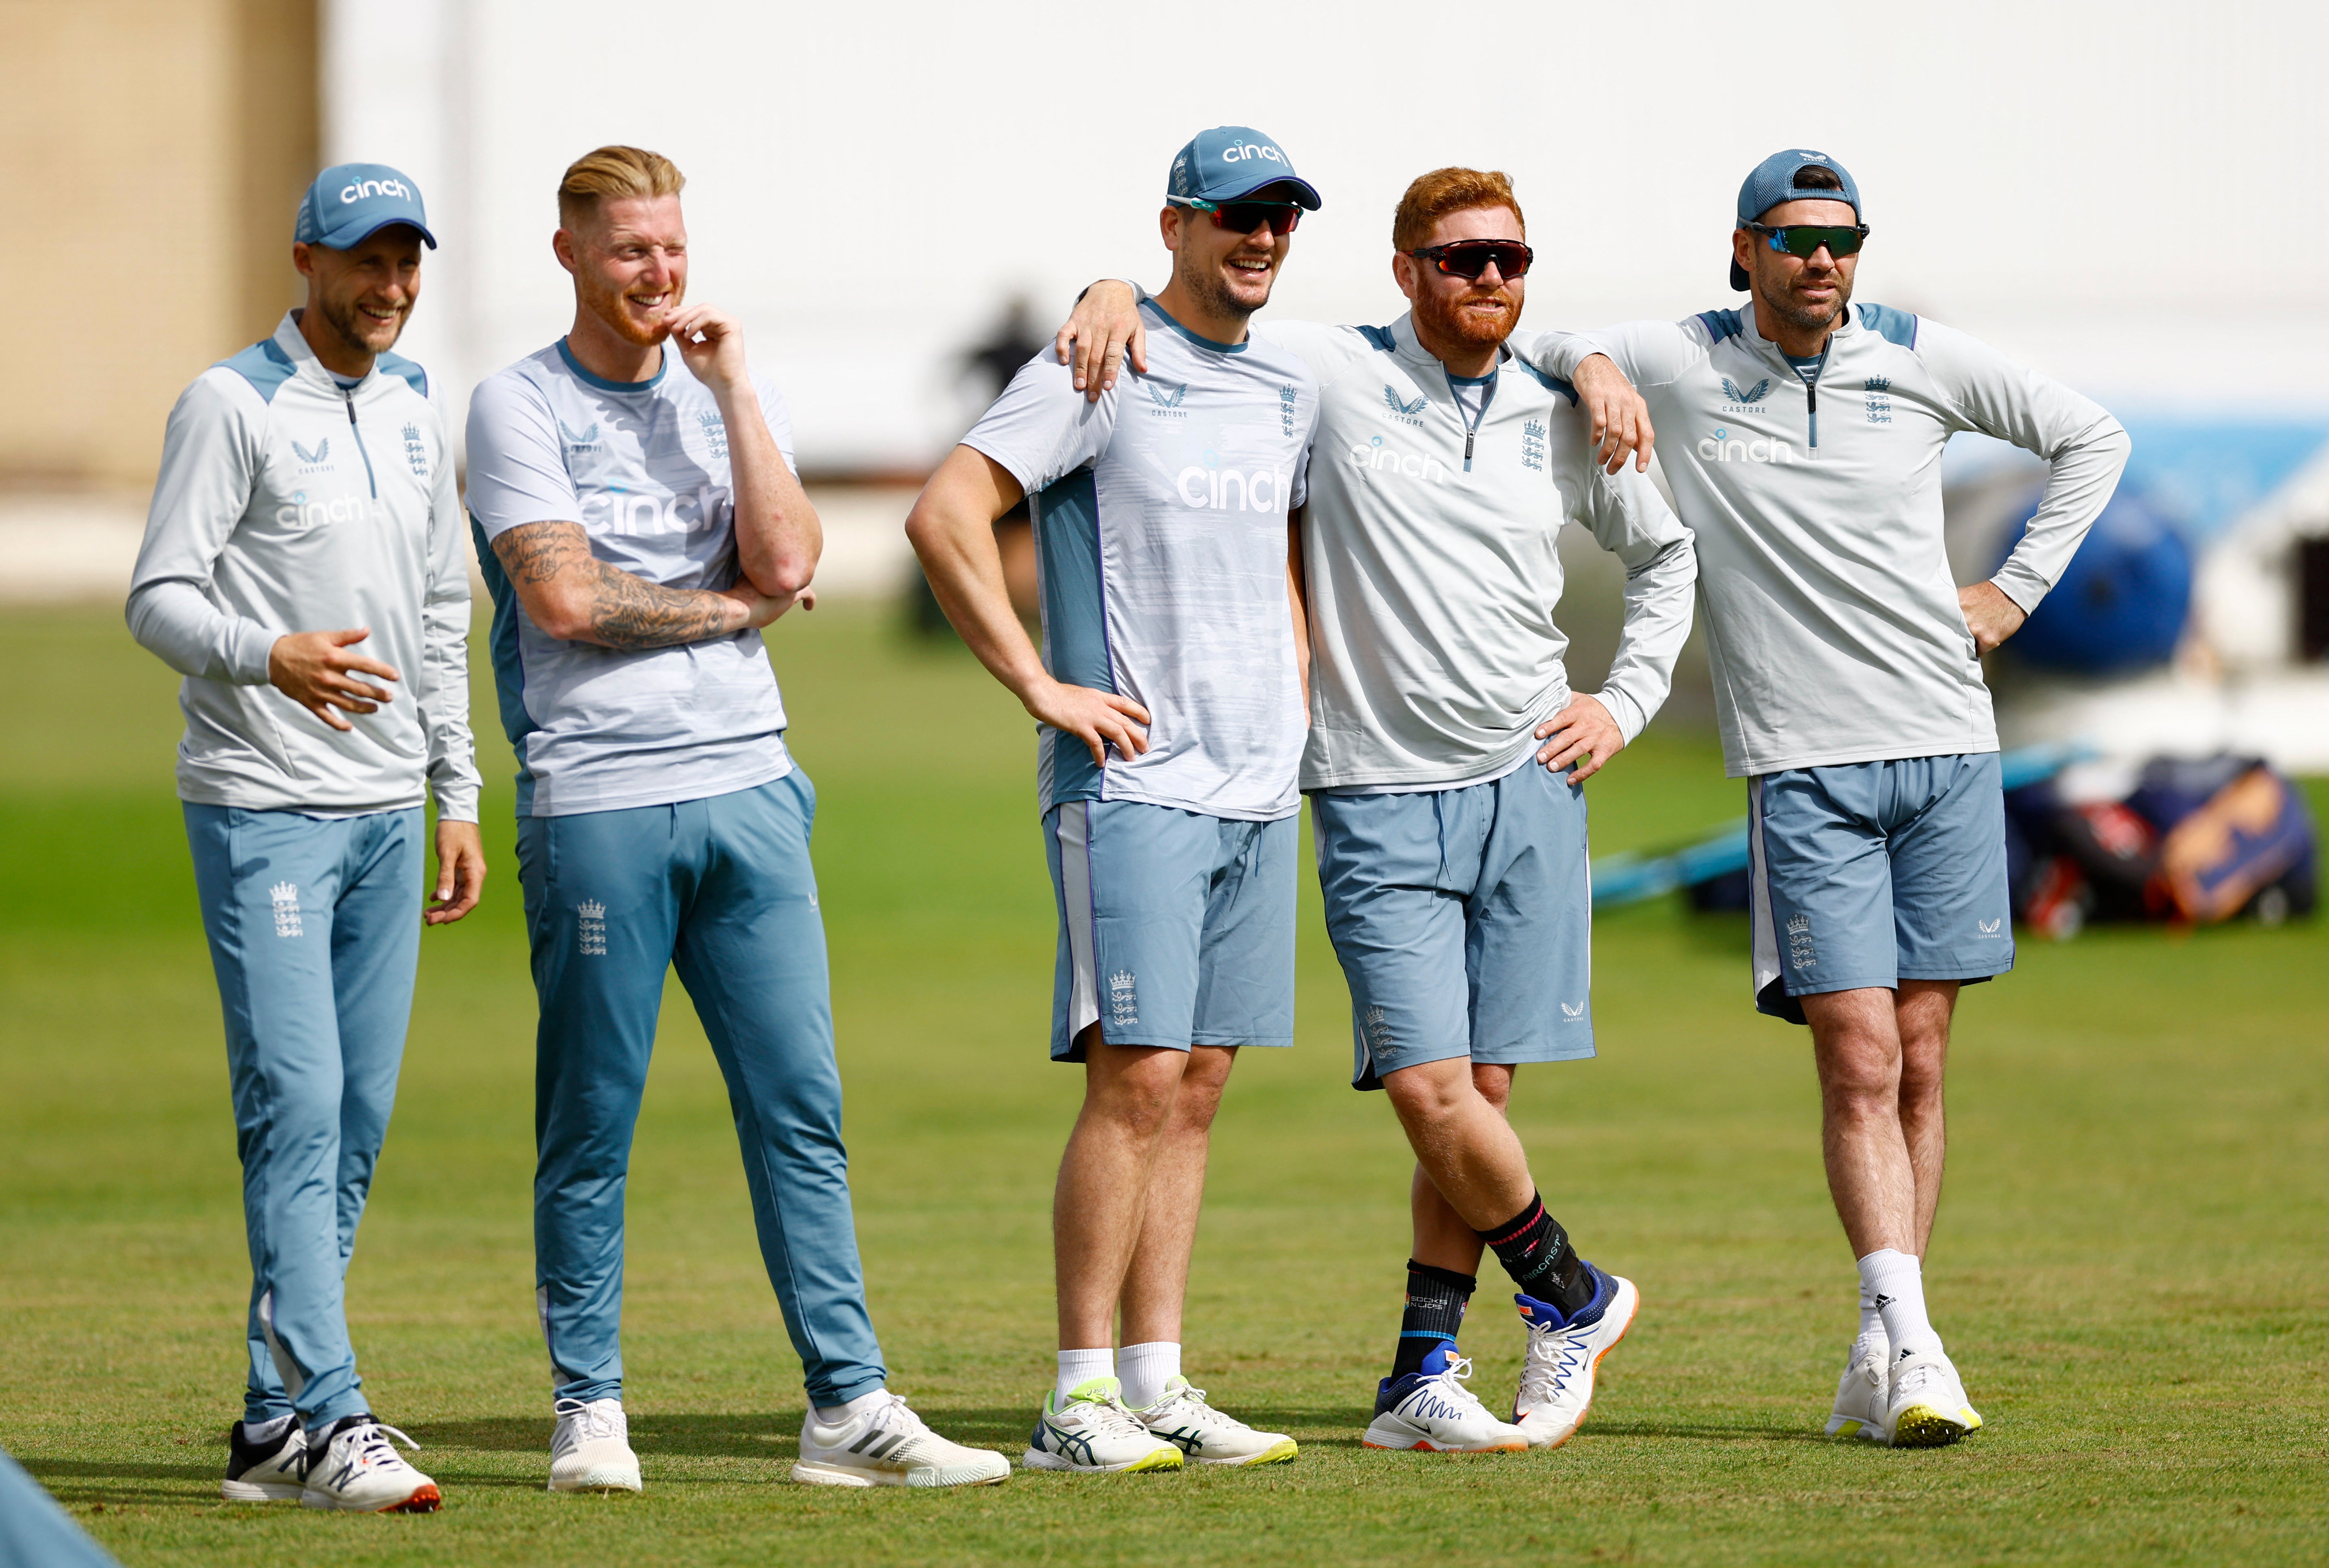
(1470, 257)
(1804, 240)
(1245, 217)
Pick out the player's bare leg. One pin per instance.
(1101, 1200)
(1881, 1056)
(1157, 1281)
(1443, 1238)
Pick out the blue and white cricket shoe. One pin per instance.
(1092, 1433)
(1556, 1386)
(1433, 1411)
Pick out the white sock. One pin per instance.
(266, 1431)
(1079, 1366)
(1146, 1369)
(1895, 1282)
(1872, 1322)
(842, 1414)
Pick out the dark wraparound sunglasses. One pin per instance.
(1470, 257)
(1245, 217)
(1805, 240)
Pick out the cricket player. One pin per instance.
(302, 568)
(638, 522)
(1445, 766)
(1803, 437)
(1169, 701)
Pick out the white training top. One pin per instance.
(287, 502)
(643, 466)
(1430, 556)
(1160, 530)
(1832, 620)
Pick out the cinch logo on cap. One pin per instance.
(1246, 151)
(364, 188)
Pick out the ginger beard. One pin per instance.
(1477, 317)
(607, 301)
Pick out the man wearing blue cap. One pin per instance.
(1804, 439)
(1170, 704)
(307, 483)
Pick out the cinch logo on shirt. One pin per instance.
(1723, 447)
(1377, 457)
(301, 513)
(626, 512)
(1209, 488)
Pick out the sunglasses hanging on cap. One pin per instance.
(1805, 240)
(1245, 217)
(1470, 257)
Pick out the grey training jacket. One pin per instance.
(288, 503)
(1832, 620)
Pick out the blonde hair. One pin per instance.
(614, 172)
(1433, 195)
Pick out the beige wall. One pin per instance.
(155, 150)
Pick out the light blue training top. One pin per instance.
(643, 466)
(1161, 547)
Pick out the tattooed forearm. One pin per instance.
(629, 612)
(572, 594)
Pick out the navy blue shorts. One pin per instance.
(1868, 873)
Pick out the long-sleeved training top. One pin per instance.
(1814, 494)
(287, 503)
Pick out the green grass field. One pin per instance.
(2130, 1266)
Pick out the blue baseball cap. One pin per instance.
(1773, 181)
(350, 203)
(1229, 163)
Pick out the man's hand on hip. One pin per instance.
(316, 670)
(1989, 614)
(1621, 419)
(1097, 718)
(1583, 738)
(460, 872)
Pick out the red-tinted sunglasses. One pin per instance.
(1470, 257)
(1245, 217)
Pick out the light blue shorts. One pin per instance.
(1868, 873)
(1175, 928)
(1464, 919)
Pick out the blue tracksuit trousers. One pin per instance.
(314, 929)
(722, 890)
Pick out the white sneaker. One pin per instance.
(356, 1468)
(1182, 1417)
(1927, 1406)
(1556, 1386)
(887, 1445)
(265, 1473)
(590, 1449)
(1862, 1399)
(1432, 1410)
(1093, 1433)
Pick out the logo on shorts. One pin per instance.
(286, 895)
(590, 931)
(1568, 1012)
(1378, 1032)
(1989, 928)
(1801, 954)
(1123, 999)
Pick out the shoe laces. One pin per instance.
(1554, 1356)
(1112, 1416)
(1922, 1374)
(1448, 1384)
(371, 1445)
(892, 1413)
(593, 1418)
(1191, 1399)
